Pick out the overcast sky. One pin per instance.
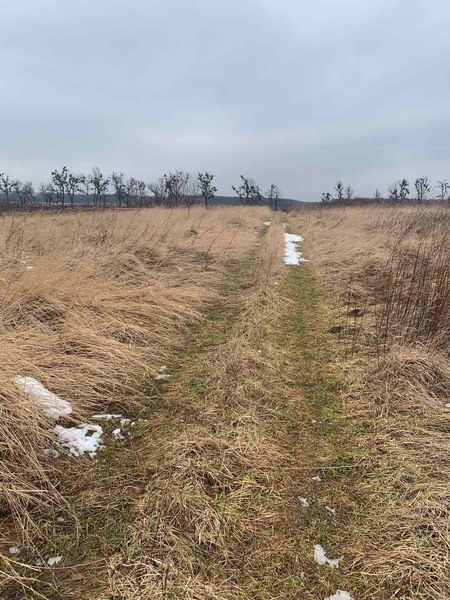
(298, 92)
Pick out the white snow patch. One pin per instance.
(52, 405)
(61, 520)
(292, 256)
(331, 510)
(81, 439)
(106, 417)
(161, 376)
(339, 595)
(304, 502)
(267, 223)
(316, 478)
(54, 560)
(447, 406)
(14, 550)
(321, 558)
(118, 434)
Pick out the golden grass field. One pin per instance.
(387, 270)
(338, 367)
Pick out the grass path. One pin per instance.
(204, 500)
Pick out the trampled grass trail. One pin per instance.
(236, 482)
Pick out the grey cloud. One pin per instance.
(294, 92)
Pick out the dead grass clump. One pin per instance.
(387, 269)
(91, 305)
(206, 518)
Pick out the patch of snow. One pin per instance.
(61, 520)
(40, 562)
(54, 560)
(162, 373)
(447, 406)
(292, 256)
(106, 417)
(118, 434)
(81, 439)
(52, 405)
(316, 478)
(313, 421)
(339, 595)
(161, 376)
(321, 558)
(267, 223)
(14, 550)
(304, 502)
(30, 268)
(331, 510)
(127, 422)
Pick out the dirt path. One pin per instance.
(238, 466)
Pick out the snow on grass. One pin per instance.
(321, 558)
(162, 374)
(304, 502)
(316, 478)
(14, 550)
(80, 440)
(117, 433)
(331, 510)
(339, 595)
(50, 404)
(106, 417)
(54, 560)
(267, 223)
(292, 256)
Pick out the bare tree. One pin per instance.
(326, 198)
(192, 193)
(7, 186)
(120, 188)
(248, 191)
(207, 190)
(159, 191)
(377, 194)
(339, 190)
(85, 184)
(403, 190)
(73, 185)
(394, 193)
(100, 186)
(422, 186)
(60, 182)
(24, 192)
(273, 194)
(48, 192)
(349, 192)
(443, 187)
(176, 184)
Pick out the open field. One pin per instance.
(265, 421)
(387, 270)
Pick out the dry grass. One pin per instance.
(387, 270)
(211, 494)
(91, 304)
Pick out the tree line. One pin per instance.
(173, 189)
(397, 192)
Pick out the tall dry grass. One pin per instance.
(388, 273)
(91, 304)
